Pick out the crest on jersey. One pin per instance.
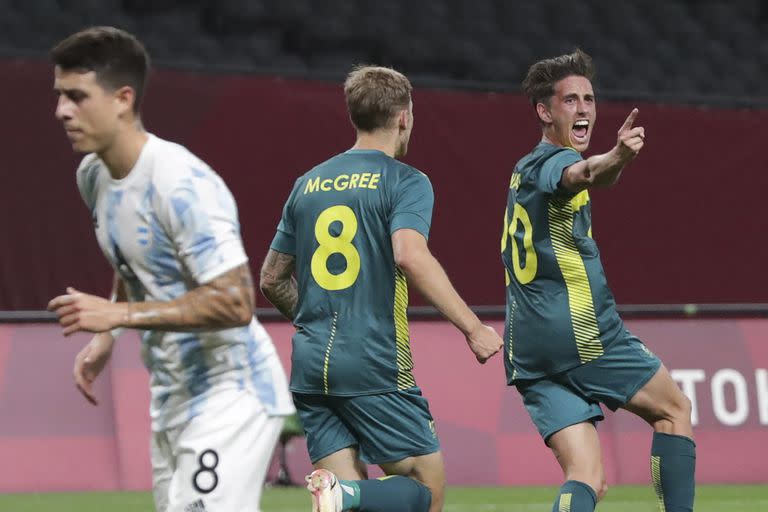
(196, 506)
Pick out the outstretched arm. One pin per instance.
(425, 273)
(226, 301)
(278, 284)
(605, 169)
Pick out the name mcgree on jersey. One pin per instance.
(344, 182)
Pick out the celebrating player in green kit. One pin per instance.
(354, 231)
(566, 348)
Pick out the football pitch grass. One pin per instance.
(709, 498)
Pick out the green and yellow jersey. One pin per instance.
(560, 313)
(351, 327)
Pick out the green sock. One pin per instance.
(673, 464)
(575, 497)
(350, 494)
(387, 494)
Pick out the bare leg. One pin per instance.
(661, 403)
(673, 452)
(345, 464)
(577, 449)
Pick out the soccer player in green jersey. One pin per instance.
(354, 232)
(566, 349)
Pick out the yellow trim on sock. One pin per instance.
(656, 475)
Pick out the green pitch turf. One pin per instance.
(709, 498)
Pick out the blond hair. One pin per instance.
(374, 95)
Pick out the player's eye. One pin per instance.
(76, 96)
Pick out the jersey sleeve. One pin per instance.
(201, 218)
(285, 237)
(552, 170)
(412, 204)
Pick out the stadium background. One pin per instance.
(253, 87)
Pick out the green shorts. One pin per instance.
(386, 427)
(574, 396)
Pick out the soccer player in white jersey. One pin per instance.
(168, 225)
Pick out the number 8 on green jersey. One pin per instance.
(352, 332)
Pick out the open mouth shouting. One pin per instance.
(580, 131)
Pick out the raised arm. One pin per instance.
(223, 302)
(278, 284)
(426, 274)
(605, 169)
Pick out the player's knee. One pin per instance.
(428, 471)
(598, 485)
(429, 503)
(679, 410)
(426, 498)
(434, 500)
(594, 478)
(431, 496)
(685, 408)
(602, 491)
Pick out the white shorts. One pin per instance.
(218, 461)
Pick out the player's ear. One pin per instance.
(402, 120)
(125, 96)
(543, 111)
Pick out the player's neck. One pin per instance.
(386, 142)
(122, 154)
(550, 140)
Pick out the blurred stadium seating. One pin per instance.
(683, 50)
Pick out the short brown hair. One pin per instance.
(539, 83)
(117, 58)
(374, 95)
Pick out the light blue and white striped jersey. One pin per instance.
(169, 226)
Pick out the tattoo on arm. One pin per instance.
(278, 283)
(226, 301)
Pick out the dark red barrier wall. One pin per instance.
(686, 223)
(58, 442)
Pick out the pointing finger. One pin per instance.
(630, 119)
